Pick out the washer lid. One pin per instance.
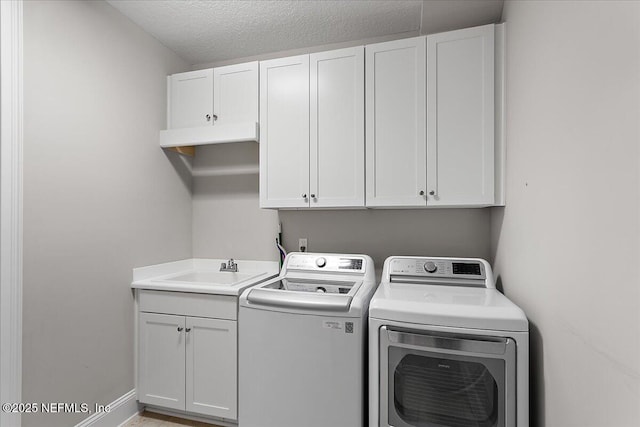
(463, 307)
(300, 293)
(314, 286)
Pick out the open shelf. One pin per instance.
(184, 140)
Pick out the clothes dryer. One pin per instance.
(446, 348)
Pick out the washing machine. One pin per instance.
(446, 348)
(303, 341)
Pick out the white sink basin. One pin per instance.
(209, 278)
(203, 276)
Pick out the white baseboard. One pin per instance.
(121, 410)
(216, 422)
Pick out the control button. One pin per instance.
(321, 290)
(430, 267)
(321, 262)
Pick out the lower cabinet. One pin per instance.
(188, 363)
(211, 367)
(162, 360)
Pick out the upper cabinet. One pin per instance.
(235, 93)
(415, 122)
(284, 143)
(336, 155)
(212, 106)
(190, 100)
(396, 123)
(460, 117)
(430, 120)
(312, 119)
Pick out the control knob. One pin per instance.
(321, 262)
(430, 267)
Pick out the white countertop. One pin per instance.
(203, 276)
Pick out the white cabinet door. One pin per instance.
(284, 132)
(190, 102)
(460, 117)
(235, 93)
(162, 355)
(396, 123)
(337, 128)
(211, 367)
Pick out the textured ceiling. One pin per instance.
(209, 31)
(445, 15)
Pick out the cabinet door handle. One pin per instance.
(304, 196)
(208, 117)
(432, 192)
(421, 192)
(180, 329)
(313, 196)
(188, 330)
(215, 117)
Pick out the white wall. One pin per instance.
(100, 197)
(384, 232)
(566, 246)
(227, 220)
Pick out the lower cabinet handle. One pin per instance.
(432, 192)
(188, 330)
(179, 329)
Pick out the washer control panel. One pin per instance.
(437, 267)
(430, 267)
(326, 262)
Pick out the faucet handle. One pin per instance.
(229, 266)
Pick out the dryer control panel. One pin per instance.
(461, 271)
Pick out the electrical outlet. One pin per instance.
(302, 245)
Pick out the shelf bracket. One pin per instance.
(188, 150)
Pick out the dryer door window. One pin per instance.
(435, 391)
(435, 381)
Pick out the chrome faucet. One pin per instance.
(230, 266)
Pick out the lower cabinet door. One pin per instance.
(211, 366)
(161, 367)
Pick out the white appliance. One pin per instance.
(446, 348)
(303, 341)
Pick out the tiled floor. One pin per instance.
(149, 419)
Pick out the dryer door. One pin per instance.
(433, 380)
